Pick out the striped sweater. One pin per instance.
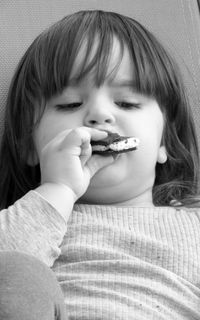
(113, 262)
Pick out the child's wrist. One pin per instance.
(59, 195)
(67, 190)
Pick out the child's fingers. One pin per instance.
(84, 135)
(97, 134)
(75, 142)
(78, 140)
(77, 136)
(75, 139)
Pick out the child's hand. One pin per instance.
(68, 160)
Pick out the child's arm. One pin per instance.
(37, 223)
(32, 225)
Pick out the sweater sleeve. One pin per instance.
(33, 226)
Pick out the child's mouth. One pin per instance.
(114, 144)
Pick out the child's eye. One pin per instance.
(128, 105)
(68, 106)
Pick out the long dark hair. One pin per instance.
(44, 71)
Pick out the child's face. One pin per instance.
(116, 107)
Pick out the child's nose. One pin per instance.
(99, 116)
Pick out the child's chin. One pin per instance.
(112, 174)
(107, 177)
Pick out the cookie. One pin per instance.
(114, 144)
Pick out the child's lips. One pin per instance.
(114, 144)
(115, 156)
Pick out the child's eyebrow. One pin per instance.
(122, 84)
(129, 84)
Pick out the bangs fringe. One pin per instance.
(56, 50)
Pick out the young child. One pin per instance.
(120, 232)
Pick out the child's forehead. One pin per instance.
(117, 83)
(114, 44)
(118, 60)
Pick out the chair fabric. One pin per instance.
(175, 22)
